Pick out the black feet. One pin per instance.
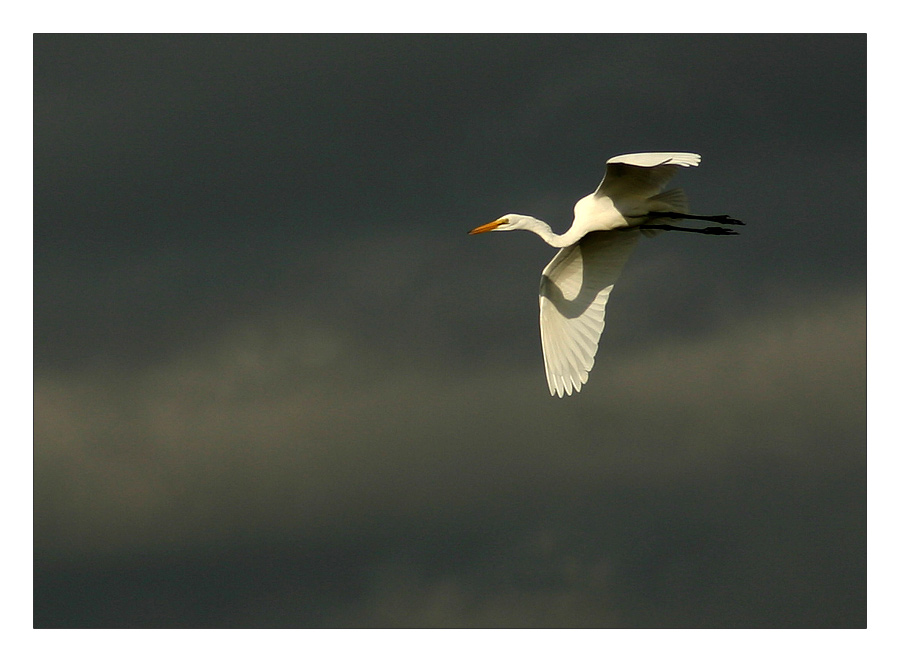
(720, 231)
(724, 219)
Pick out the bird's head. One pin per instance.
(508, 222)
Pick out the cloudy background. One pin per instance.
(277, 385)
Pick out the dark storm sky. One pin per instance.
(276, 384)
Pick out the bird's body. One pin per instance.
(575, 286)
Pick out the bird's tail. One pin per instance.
(672, 200)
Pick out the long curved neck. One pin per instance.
(546, 233)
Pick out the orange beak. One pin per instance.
(487, 227)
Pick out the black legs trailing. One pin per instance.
(675, 228)
(723, 219)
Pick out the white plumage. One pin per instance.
(575, 286)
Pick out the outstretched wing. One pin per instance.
(575, 287)
(642, 175)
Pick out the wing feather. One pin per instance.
(644, 174)
(575, 287)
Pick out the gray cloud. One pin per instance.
(250, 439)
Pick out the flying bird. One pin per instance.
(575, 286)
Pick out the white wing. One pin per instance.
(575, 287)
(642, 175)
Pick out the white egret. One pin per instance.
(575, 286)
